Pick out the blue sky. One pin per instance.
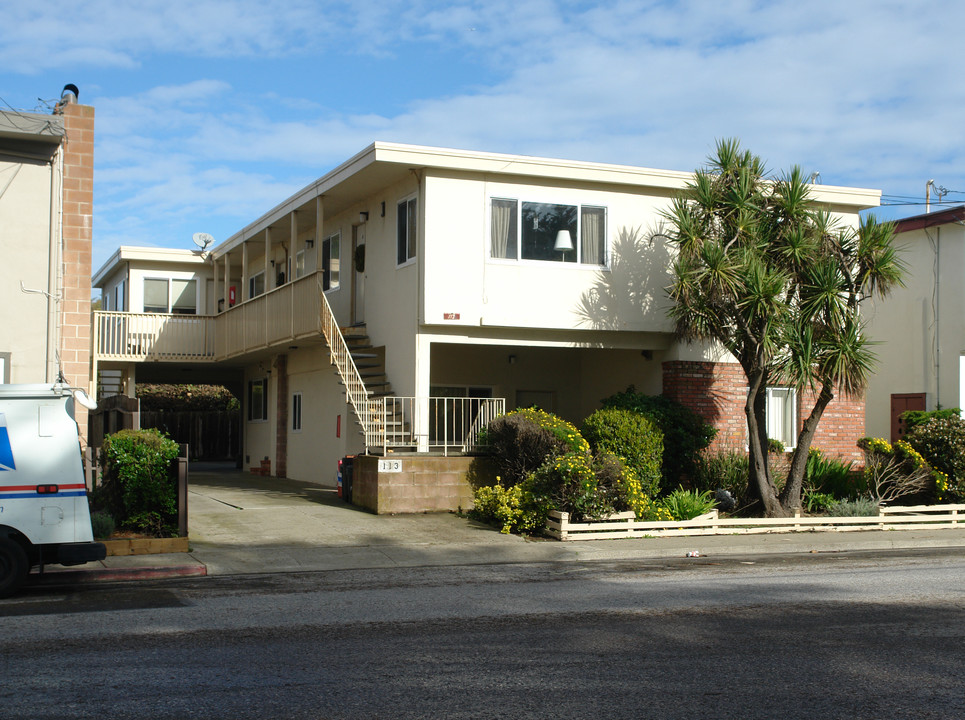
(210, 112)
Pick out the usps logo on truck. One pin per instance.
(6, 452)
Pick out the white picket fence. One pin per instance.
(625, 525)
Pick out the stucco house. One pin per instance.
(921, 365)
(46, 202)
(400, 301)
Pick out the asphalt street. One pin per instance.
(860, 635)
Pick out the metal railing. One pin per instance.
(434, 424)
(366, 409)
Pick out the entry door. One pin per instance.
(902, 403)
(358, 274)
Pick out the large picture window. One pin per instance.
(163, 295)
(548, 231)
(407, 227)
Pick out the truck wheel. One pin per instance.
(13, 567)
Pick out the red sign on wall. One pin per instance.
(450, 316)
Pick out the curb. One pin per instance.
(105, 574)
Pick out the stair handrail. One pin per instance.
(366, 410)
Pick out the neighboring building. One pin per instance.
(435, 287)
(46, 200)
(921, 363)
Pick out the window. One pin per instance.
(297, 412)
(406, 231)
(120, 296)
(258, 400)
(4, 368)
(256, 284)
(331, 251)
(782, 416)
(547, 231)
(163, 295)
(155, 296)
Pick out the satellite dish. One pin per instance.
(202, 240)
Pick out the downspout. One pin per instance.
(52, 364)
(938, 310)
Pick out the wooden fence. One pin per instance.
(625, 525)
(211, 434)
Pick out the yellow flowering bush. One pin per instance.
(897, 470)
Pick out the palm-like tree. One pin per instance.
(771, 277)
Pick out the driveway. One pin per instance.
(240, 522)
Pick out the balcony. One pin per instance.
(279, 316)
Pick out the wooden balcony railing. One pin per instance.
(274, 318)
(153, 336)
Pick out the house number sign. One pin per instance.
(390, 466)
(450, 316)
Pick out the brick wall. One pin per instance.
(77, 231)
(426, 484)
(717, 392)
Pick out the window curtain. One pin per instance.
(592, 236)
(503, 229)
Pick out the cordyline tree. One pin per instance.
(773, 278)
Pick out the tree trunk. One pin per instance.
(791, 494)
(760, 477)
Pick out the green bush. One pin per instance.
(685, 433)
(941, 441)
(102, 524)
(914, 418)
(726, 470)
(832, 476)
(898, 471)
(818, 502)
(139, 488)
(633, 437)
(688, 504)
(862, 507)
(519, 446)
(185, 397)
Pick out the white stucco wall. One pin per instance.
(25, 217)
(462, 280)
(919, 327)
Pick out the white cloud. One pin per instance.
(862, 91)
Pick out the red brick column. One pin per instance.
(281, 416)
(77, 232)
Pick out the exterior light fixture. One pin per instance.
(364, 216)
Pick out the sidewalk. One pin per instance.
(242, 524)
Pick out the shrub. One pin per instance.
(688, 504)
(497, 506)
(685, 433)
(519, 446)
(728, 470)
(862, 507)
(139, 489)
(941, 441)
(102, 524)
(775, 446)
(914, 418)
(818, 502)
(569, 484)
(565, 432)
(633, 437)
(895, 471)
(185, 397)
(831, 476)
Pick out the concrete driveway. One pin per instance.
(240, 522)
